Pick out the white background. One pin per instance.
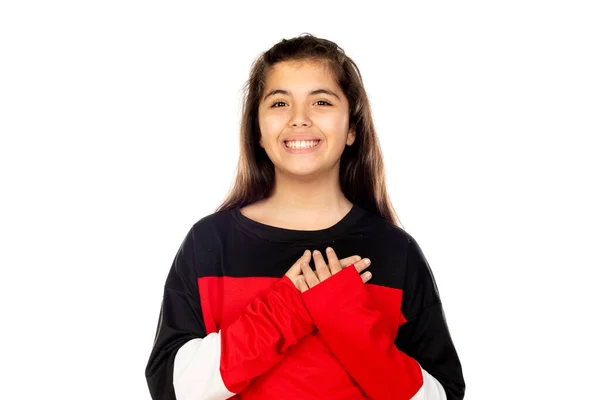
(119, 124)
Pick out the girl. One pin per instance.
(267, 298)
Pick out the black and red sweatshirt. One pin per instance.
(232, 325)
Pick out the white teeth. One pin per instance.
(301, 144)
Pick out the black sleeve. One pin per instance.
(180, 321)
(425, 335)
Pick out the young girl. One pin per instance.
(268, 298)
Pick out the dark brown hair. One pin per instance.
(362, 175)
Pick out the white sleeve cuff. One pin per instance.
(431, 389)
(196, 372)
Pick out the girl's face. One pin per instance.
(304, 119)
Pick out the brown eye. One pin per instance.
(277, 102)
(323, 101)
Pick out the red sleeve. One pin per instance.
(351, 328)
(259, 338)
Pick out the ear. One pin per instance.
(351, 135)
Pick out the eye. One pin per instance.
(275, 105)
(277, 102)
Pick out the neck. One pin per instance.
(309, 198)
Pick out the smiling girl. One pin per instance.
(302, 285)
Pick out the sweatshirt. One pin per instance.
(233, 326)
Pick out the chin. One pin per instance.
(301, 171)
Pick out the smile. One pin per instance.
(301, 146)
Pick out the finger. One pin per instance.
(301, 284)
(309, 276)
(366, 276)
(322, 269)
(362, 265)
(334, 263)
(295, 269)
(349, 260)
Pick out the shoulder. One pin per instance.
(397, 244)
(386, 232)
(212, 223)
(206, 230)
(405, 241)
(204, 238)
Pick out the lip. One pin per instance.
(301, 151)
(301, 137)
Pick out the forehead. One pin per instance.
(298, 74)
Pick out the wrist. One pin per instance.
(333, 294)
(296, 304)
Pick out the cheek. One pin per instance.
(332, 119)
(335, 128)
(270, 126)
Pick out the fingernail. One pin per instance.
(329, 249)
(368, 274)
(367, 261)
(306, 252)
(316, 251)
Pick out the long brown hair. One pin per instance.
(362, 175)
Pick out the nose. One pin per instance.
(299, 118)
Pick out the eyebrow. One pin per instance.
(316, 91)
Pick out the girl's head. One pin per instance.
(303, 119)
(337, 118)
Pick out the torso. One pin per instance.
(239, 260)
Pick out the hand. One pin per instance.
(295, 272)
(310, 279)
